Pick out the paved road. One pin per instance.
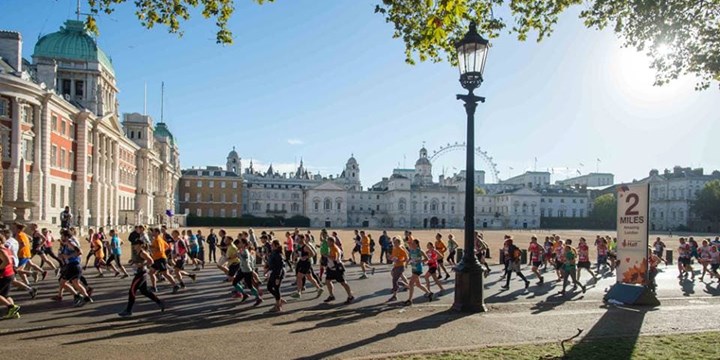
(203, 320)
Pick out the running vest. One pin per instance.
(9, 269)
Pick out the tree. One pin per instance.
(680, 36)
(480, 191)
(604, 209)
(707, 203)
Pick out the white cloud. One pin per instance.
(295, 142)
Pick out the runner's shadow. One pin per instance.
(432, 321)
(688, 287)
(709, 290)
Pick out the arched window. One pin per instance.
(328, 204)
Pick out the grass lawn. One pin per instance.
(679, 346)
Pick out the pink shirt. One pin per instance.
(583, 253)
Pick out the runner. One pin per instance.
(583, 262)
(602, 248)
(559, 250)
(70, 279)
(684, 260)
(180, 257)
(549, 254)
(65, 218)
(453, 246)
(365, 255)
(7, 276)
(441, 249)
(336, 272)
(275, 272)
(289, 249)
(158, 249)
(13, 246)
(38, 246)
(304, 270)
(246, 271)
(201, 247)
(569, 260)
(324, 251)
(714, 262)
(612, 252)
(194, 250)
(141, 259)
(222, 246)
(433, 261)
(659, 247)
(90, 238)
(536, 255)
(115, 252)
(233, 262)
(512, 264)
(481, 251)
(25, 254)
(417, 257)
(358, 246)
(97, 247)
(655, 260)
(48, 249)
(399, 256)
(704, 258)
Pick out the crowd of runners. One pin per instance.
(252, 263)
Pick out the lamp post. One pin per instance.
(472, 53)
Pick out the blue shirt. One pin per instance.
(115, 245)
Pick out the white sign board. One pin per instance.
(632, 233)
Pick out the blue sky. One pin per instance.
(324, 79)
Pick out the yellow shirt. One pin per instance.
(24, 241)
(400, 256)
(365, 245)
(158, 247)
(98, 248)
(232, 254)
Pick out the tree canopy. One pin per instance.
(604, 209)
(707, 203)
(680, 36)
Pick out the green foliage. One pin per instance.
(605, 209)
(479, 191)
(247, 220)
(707, 202)
(680, 36)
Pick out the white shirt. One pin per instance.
(13, 245)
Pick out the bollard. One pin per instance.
(459, 255)
(523, 257)
(501, 257)
(668, 257)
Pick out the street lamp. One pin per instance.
(472, 53)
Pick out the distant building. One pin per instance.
(211, 192)
(589, 180)
(530, 179)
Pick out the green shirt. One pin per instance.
(324, 248)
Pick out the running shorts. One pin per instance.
(335, 275)
(303, 267)
(365, 258)
(160, 265)
(5, 283)
(583, 264)
(72, 271)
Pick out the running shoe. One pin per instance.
(430, 296)
(363, 276)
(33, 293)
(320, 292)
(258, 301)
(124, 276)
(527, 284)
(329, 299)
(193, 277)
(13, 310)
(44, 274)
(236, 295)
(162, 306)
(349, 300)
(154, 289)
(447, 276)
(392, 298)
(100, 275)
(125, 314)
(372, 272)
(90, 291)
(176, 289)
(504, 287)
(244, 297)
(407, 302)
(295, 295)
(11, 316)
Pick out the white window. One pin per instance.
(222, 213)
(62, 196)
(62, 158)
(222, 184)
(198, 198)
(211, 184)
(53, 156)
(53, 194)
(187, 197)
(199, 184)
(198, 212)
(211, 212)
(187, 183)
(234, 184)
(235, 198)
(234, 212)
(222, 198)
(71, 161)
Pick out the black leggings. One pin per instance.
(273, 288)
(211, 254)
(115, 258)
(139, 283)
(49, 252)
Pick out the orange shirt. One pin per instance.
(365, 245)
(440, 247)
(97, 247)
(400, 256)
(24, 241)
(158, 247)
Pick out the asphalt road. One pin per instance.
(204, 321)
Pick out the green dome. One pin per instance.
(161, 130)
(72, 42)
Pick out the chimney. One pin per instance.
(11, 49)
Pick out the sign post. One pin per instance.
(632, 247)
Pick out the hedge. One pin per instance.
(248, 221)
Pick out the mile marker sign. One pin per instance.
(632, 234)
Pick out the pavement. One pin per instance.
(204, 321)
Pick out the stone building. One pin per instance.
(59, 116)
(211, 192)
